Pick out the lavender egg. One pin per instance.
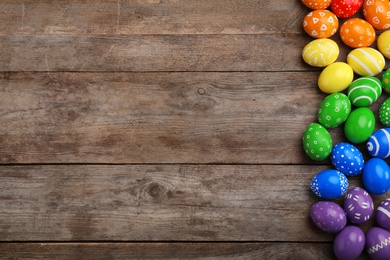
(347, 159)
(383, 215)
(328, 216)
(358, 205)
(378, 243)
(349, 243)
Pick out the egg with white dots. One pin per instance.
(378, 145)
(329, 184)
(358, 205)
(347, 158)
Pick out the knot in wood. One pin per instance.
(156, 191)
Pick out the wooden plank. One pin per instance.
(150, 17)
(111, 251)
(157, 117)
(153, 52)
(160, 203)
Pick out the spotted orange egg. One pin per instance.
(317, 4)
(320, 24)
(356, 32)
(377, 13)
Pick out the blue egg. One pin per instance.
(347, 159)
(376, 176)
(379, 143)
(329, 184)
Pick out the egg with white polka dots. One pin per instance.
(347, 159)
(384, 113)
(317, 142)
(378, 145)
(358, 205)
(334, 110)
(329, 184)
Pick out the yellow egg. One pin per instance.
(320, 52)
(366, 61)
(384, 43)
(335, 78)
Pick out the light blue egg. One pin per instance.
(347, 159)
(329, 184)
(378, 145)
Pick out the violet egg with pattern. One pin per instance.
(328, 216)
(378, 243)
(383, 214)
(358, 205)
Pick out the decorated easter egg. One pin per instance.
(386, 81)
(377, 13)
(379, 143)
(383, 215)
(328, 216)
(378, 243)
(360, 125)
(356, 33)
(383, 43)
(334, 110)
(329, 184)
(316, 4)
(320, 24)
(320, 52)
(347, 159)
(335, 78)
(376, 176)
(366, 61)
(364, 91)
(358, 205)
(345, 8)
(317, 142)
(349, 243)
(384, 112)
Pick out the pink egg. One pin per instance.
(378, 243)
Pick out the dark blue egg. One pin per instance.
(379, 143)
(347, 159)
(376, 176)
(329, 184)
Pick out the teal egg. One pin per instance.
(317, 142)
(364, 91)
(334, 110)
(360, 125)
(384, 113)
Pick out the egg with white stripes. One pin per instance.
(383, 214)
(366, 61)
(378, 145)
(358, 205)
(364, 91)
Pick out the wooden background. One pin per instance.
(157, 129)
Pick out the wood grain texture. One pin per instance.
(160, 203)
(150, 17)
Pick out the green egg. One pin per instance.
(384, 113)
(386, 81)
(364, 91)
(334, 110)
(317, 142)
(360, 125)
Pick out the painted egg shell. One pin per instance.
(328, 216)
(347, 159)
(358, 205)
(345, 8)
(317, 142)
(334, 110)
(320, 52)
(357, 33)
(386, 81)
(376, 13)
(329, 184)
(383, 43)
(384, 113)
(378, 243)
(360, 125)
(383, 214)
(376, 176)
(320, 24)
(364, 91)
(335, 78)
(349, 243)
(366, 61)
(379, 143)
(316, 4)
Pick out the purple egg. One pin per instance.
(328, 216)
(378, 243)
(349, 243)
(358, 205)
(383, 214)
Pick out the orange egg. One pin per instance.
(377, 13)
(357, 33)
(320, 24)
(317, 4)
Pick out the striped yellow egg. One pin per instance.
(366, 61)
(320, 52)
